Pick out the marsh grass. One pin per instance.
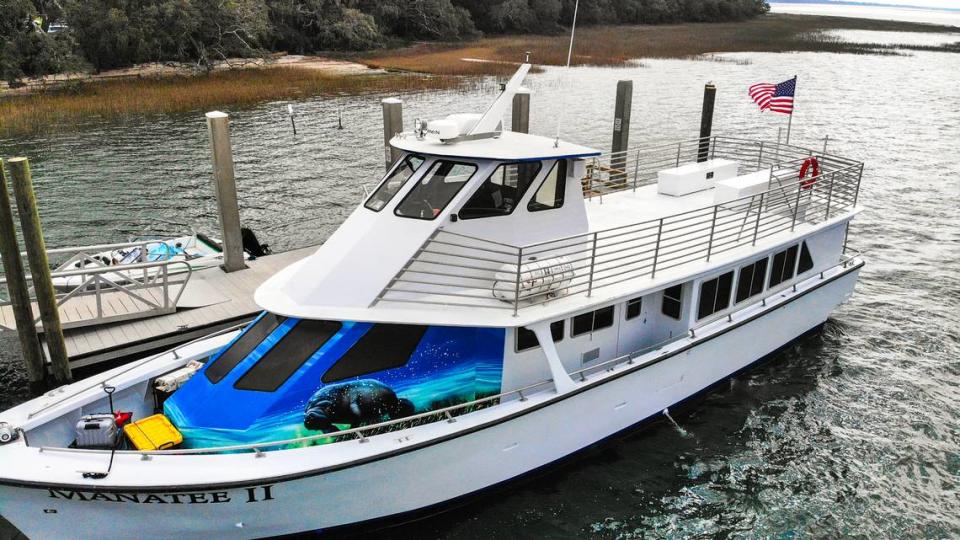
(618, 45)
(115, 99)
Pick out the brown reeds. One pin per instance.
(114, 99)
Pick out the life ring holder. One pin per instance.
(807, 183)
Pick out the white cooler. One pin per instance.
(694, 177)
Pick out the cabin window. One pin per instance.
(715, 295)
(384, 346)
(395, 179)
(783, 264)
(750, 280)
(526, 339)
(592, 321)
(806, 261)
(500, 193)
(435, 190)
(551, 191)
(288, 355)
(634, 307)
(672, 301)
(243, 346)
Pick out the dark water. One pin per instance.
(853, 431)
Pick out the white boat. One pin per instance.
(500, 302)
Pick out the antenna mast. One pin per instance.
(573, 31)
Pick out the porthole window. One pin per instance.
(715, 295)
(750, 281)
(592, 321)
(634, 307)
(672, 301)
(783, 264)
(527, 339)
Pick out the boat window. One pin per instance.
(384, 346)
(806, 261)
(434, 191)
(526, 339)
(715, 295)
(783, 264)
(592, 321)
(550, 193)
(243, 346)
(750, 281)
(500, 193)
(634, 307)
(395, 179)
(288, 355)
(672, 301)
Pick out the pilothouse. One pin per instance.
(497, 302)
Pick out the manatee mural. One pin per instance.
(270, 393)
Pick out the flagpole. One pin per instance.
(790, 120)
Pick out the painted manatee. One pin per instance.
(353, 403)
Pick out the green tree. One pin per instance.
(26, 50)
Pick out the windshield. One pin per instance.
(435, 190)
(401, 172)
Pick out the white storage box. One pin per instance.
(738, 187)
(694, 177)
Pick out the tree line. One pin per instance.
(40, 37)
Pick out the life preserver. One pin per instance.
(807, 183)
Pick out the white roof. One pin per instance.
(508, 146)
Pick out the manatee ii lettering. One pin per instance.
(247, 495)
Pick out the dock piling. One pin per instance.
(621, 131)
(392, 125)
(706, 121)
(40, 268)
(225, 186)
(17, 289)
(520, 122)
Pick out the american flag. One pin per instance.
(775, 97)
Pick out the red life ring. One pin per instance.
(807, 183)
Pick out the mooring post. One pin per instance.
(520, 122)
(706, 121)
(392, 125)
(17, 289)
(39, 268)
(621, 131)
(225, 186)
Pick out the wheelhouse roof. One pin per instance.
(507, 146)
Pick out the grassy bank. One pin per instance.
(617, 45)
(113, 99)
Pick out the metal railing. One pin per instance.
(103, 292)
(455, 269)
(446, 414)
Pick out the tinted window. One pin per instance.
(285, 358)
(806, 261)
(634, 307)
(244, 345)
(526, 339)
(384, 346)
(551, 191)
(715, 295)
(672, 301)
(395, 179)
(595, 320)
(783, 263)
(433, 192)
(750, 282)
(500, 193)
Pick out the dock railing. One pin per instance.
(455, 269)
(91, 292)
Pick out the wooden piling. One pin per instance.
(17, 289)
(225, 186)
(706, 121)
(40, 268)
(392, 125)
(520, 121)
(621, 131)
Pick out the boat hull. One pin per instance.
(424, 476)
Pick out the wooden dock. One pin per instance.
(212, 299)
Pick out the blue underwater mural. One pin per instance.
(220, 406)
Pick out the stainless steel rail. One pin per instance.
(454, 269)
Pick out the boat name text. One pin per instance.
(247, 495)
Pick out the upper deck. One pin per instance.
(617, 237)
